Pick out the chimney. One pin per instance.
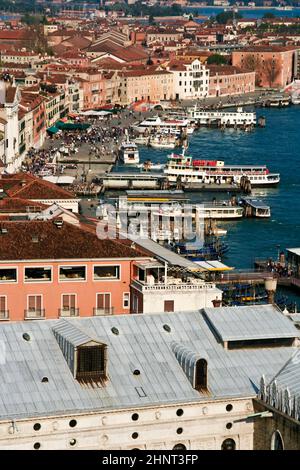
(217, 302)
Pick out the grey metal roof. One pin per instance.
(164, 254)
(296, 251)
(250, 322)
(289, 375)
(142, 344)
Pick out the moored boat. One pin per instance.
(184, 169)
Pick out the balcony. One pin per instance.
(34, 314)
(68, 312)
(4, 314)
(103, 311)
(172, 285)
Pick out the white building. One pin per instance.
(190, 81)
(9, 105)
(186, 380)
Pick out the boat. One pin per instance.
(238, 118)
(129, 153)
(213, 250)
(168, 126)
(149, 166)
(163, 141)
(255, 208)
(183, 169)
(284, 8)
(278, 101)
(295, 98)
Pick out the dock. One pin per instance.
(158, 181)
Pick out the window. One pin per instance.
(68, 305)
(72, 273)
(3, 307)
(103, 304)
(8, 275)
(91, 362)
(276, 441)
(228, 444)
(38, 274)
(34, 306)
(106, 272)
(169, 306)
(179, 447)
(126, 300)
(201, 375)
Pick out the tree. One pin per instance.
(151, 19)
(268, 16)
(271, 70)
(225, 16)
(216, 59)
(253, 63)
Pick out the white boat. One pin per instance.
(149, 166)
(237, 118)
(186, 170)
(284, 8)
(171, 126)
(295, 98)
(163, 142)
(129, 153)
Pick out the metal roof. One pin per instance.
(289, 376)
(142, 343)
(250, 323)
(164, 254)
(296, 251)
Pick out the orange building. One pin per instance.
(228, 80)
(52, 269)
(275, 66)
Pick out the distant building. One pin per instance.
(226, 80)
(275, 66)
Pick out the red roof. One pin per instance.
(27, 240)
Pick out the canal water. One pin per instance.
(278, 146)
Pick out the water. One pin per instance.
(277, 145)
(247, 13)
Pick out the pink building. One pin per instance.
(275, 66)
(228, 80)
(52, 269)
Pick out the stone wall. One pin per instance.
(264, 428)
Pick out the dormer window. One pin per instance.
(91, 363)
(201, 375)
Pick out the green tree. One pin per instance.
(217, 59)
(268, 16)
(151, 19)
(225, 16)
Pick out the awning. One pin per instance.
(52, 130)
(213, 265)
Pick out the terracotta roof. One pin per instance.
(17, 205)
(225, 70)
(10, 94)
(51, 242)
(27, 186)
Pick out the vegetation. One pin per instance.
(225, 16)
(217, 59)
(139, 9)
(268, 16)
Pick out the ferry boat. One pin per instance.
(170, 126)
(238, 118)
(175, 208)
(129, 153)
(164, 142)
(183, 169)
